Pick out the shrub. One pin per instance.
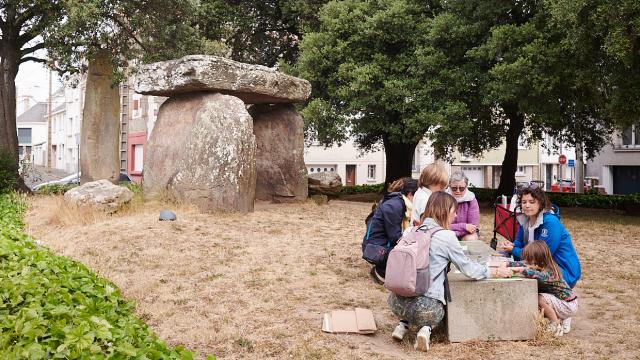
(56, 189)
(8, 171)
(54, 307)
(629, 203)
(360, 189)
(134, 187)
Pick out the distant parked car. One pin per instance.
(567, 186)
(75, 179)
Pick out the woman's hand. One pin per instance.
(506, 246)
(517, 269)
(470, 228)
(502, 272)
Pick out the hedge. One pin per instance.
(54, 307)
(361, 189)
(629, 203)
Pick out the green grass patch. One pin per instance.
(53, 307)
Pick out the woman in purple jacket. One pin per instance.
(466, 222)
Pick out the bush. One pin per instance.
(134, 187)
(8, 171)
(57, 189)
(361, 189)
(629, 203)
(54, 307)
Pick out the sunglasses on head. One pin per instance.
(457, 188)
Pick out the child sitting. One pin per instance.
(556, 299)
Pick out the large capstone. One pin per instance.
(202, 151)
(254, 84)
(281, 173)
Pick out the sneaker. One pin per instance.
(400, 331)
(566, 325)
(376, 277)
(423, 338)
(555, 329)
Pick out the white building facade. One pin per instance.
(356, 167)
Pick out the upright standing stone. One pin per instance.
(100, 132)
(202, 150)
(281, 173)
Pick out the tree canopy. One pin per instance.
(374, 79)
(73, 31)
(470, 75)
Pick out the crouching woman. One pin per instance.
(427, 311)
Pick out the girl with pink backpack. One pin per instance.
(426, 311)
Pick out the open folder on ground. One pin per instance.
(357, 321)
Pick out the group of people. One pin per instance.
(542, 250)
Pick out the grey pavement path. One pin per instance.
(44, 174)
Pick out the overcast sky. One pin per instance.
(33, 79)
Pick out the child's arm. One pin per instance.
(516, 264)
(535, 274)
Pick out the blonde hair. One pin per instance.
(537, 253)
(439, 207)
(433, 174)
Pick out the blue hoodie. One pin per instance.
(552, 232)
(385, 227)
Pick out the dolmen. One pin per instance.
(227, 135)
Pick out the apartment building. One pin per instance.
(32, 131)
(617, 166)
(356, 167)
(535, 162)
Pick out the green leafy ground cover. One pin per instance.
(54, 307)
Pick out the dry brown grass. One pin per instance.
(255, 286)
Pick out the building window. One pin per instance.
(311, 170)
(631, 136)
(415, 162)
(521, 170)
(371, 172)
(24, 135)
(332, 170)
(138, 157)
(522, 143)
(136, 104)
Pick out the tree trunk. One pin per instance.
(399, 158)
(9, 65)
(100, 133)
(510, 162)
(579, 164)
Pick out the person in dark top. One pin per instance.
(385, 227)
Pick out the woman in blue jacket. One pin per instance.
(538, 222)
(385, 227)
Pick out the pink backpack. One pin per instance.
(408, 263)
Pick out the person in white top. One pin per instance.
(433, 178)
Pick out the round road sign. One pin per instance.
(562, 159)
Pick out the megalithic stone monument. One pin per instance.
(99, 157)
(203, 147)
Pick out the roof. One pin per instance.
(58, 108)
(34, 114)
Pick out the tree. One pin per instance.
(73, 32)
(530, 76)
(374, 79)
(23, 24)
(258, 31)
